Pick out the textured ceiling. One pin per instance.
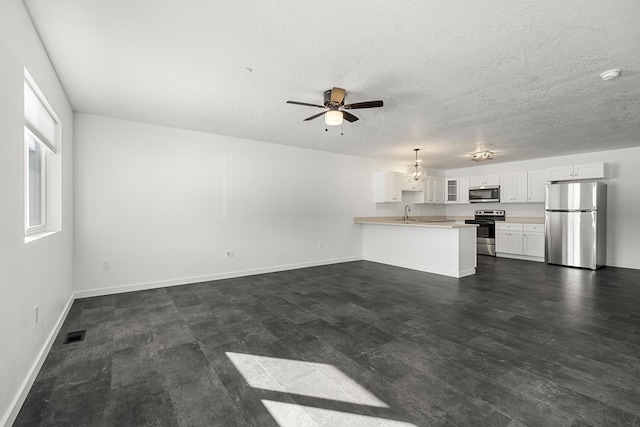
(520, 78)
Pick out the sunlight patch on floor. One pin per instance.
(293, 415)
(316, 380)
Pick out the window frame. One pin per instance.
(30, 229)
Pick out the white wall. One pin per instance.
(40, 272)
(163, 205)
(623, 229)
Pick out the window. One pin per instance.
(41, 130)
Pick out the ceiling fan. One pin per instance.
(335, 107)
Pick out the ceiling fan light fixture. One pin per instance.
(333, 118)
(416, 173)
(481, 155)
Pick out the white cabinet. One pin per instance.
(463, 189)
(411, 185)
(570, 172)
(536, 185)
(591, 171)
(479, 181)
(452, 190)
(521, 187)
(560, 173)
(522, 241)
(388, 186)
(533, 240)
(509, 238)
(513, 187)
(433, 190)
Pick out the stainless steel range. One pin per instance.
(486, 233)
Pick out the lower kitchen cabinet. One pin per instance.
(509, 238)
(533, 240)
(521, 241)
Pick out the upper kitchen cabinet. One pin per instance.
(479, 181)
(452, 190)
(536, 184)
(388, 186)
(463, 189)
(571, 172)
(513, 187)
(433, 190)
(411, 185)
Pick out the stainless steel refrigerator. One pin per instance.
(575, 224)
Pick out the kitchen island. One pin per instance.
(434, 246)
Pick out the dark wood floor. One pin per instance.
(360, 343)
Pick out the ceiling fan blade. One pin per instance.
(366, 104)
(304, 103)
(315, 116)
(337, 95)
(349, 117)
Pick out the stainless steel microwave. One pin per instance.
(484, 194)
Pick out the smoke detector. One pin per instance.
(610, 74)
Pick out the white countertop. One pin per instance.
(437, 221)
(442, 223)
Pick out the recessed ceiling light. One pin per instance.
(610, 74)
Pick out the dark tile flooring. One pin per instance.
(359, 343)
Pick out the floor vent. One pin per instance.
(75, 336)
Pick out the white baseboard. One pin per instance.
(196, 279)
(432, 269)
(520, 257)
(9, 418)
(537, 259)
(623, 265)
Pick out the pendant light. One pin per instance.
(416, 173)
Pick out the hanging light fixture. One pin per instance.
(416, 172)
(481, 155)
(333, 118)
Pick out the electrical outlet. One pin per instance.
(106, 265)
(229, 253)
(37, 313)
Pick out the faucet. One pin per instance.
(407, 209)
